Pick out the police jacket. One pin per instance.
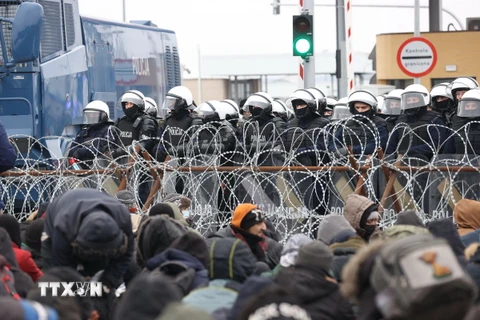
(363, 134)
(92, 140)
(175, 134)
(8, 155)
(263, 139)
(215, 138)
(306, 137)
(142, 130)
(467, 135)
(419, 138)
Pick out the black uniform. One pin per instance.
(176, 133)
(470, 135)
(422, 140)
(92, 140)
(142, 129)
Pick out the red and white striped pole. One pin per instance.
(348, 28)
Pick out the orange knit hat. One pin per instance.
(240, 212)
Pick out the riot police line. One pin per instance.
(412, 127)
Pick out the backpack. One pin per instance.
(419, 277)
(7, 281)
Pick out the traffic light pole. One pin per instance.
(342, 76)
(307, 7)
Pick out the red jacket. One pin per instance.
(26, 263)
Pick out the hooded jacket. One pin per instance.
(355, 206)
(23, 282)
(317, 294)
(155, 235)
(467, 216)
(146, 298)
(330, 226)
(177, 258)
(63, 221)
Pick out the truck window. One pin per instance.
(7, 10)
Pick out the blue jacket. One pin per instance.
(173, 255)
(8, 155)
(218, 295)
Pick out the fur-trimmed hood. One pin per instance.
(351, 286)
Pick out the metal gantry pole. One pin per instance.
(124, 11)
(342, 76)
(417, 29)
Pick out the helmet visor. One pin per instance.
(341, 112)
(173, 102)
(92, 116)
(469, 108)
(393, 106)
(413, 100)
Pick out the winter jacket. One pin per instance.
(471, 237)
(330, 226)
(444, 228)
(23, 282)
(399, 231)
(355, 206)
(26, 263)
(65, 215)
(342, 252)
(318, 294)
(250, 288)
(155, 235)
(466, 216)
(172, 262)
(220, 294)
(473, 266)
(8, 155)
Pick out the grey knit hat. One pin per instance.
(125, 197)
(315, 254)
(330, 226)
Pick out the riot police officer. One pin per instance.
(217, 135)
(329, 109)
(467, 123)
(392, 108)
(418, 140)
(264, 130)
(305, 136)
(177, 128)
(279, 109)
(151, 107)
(442, 103)
(365, 131)
(459, 86)
(93, 138)
(135, 125)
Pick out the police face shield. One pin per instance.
(173, 102)
(92, 116)
(393, 106)
(469, 109)
(413, 100)
(341, 112)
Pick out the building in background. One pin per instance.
(457, 56)
(236, 77)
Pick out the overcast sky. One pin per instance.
(223, 27)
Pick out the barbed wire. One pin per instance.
(296, 176)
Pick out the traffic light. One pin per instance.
(303, 35)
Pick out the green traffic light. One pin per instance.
(302, 46)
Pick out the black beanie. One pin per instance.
(12, 226)
(161, 208)
(252, 218)
(193, 244)
(33, 234)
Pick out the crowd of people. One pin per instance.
(157, 266)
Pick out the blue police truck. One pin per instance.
(80, 59)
